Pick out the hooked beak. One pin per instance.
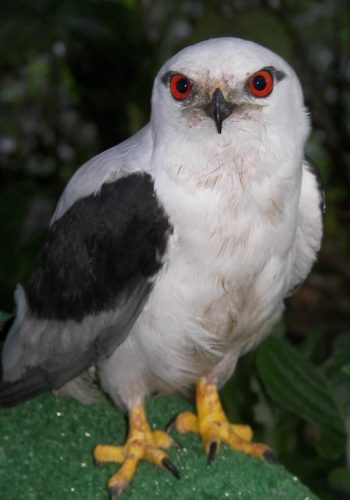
(219, 109)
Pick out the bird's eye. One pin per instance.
(261, 83)
(180, 87)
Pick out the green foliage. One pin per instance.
(319, 396)
(4, 316)
(297, 400)
(314, 394)
(340, 479)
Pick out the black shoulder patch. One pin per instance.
(104, 244)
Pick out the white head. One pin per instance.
(228, 91)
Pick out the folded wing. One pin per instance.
(92, 278)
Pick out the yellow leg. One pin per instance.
(214, 428)
(142, 443)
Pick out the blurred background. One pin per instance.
(76, 78)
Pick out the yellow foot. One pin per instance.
(214, 428)
(142, 443)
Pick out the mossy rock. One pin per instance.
(46, 445)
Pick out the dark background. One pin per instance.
(76, 78)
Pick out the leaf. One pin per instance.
(299, 387)
(337, 370)
(340, 479)
(4, 316)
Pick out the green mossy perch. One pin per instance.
(45, 452)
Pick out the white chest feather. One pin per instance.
(224, 279)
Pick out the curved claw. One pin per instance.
(212, 451)
(114, 492)
(96, 463)
(171, 467)
(141, 444)
(170, 426)
(269, 456)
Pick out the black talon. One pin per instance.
(114, 492)
(269, 457)
(170, 425)
(171, 467)
(96, 463)
(212, 451)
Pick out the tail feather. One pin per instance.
(33, 383)
(37, 379)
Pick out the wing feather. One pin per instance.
(310, 225)
(91, 280)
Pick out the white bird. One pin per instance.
(170, 255)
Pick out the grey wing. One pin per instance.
(130, 156)
(92, 278)
(310, 225)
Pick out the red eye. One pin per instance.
(261, 83)
(180, 87)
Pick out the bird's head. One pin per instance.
(231, 87)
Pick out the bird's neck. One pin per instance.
(228, 185)
(226, 166)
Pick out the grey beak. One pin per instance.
(219, 109)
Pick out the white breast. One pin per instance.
(222, 286)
